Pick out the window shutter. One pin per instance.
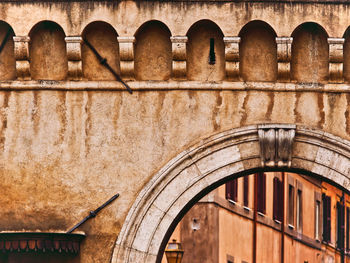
(246, 191)
(228, 190)
(275, 198)
(231, 190)
(261, 193)
(347, 227)
(264, 192)
(326, 218)
(340, 225)
(280, 200)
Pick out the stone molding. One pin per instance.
(126, 56)
(172, 85)
(190, 174)
(21, 50)
(284, 56)
(276, 143)
(179, 57)
(232, 57)
(336, 59)
(75, 69)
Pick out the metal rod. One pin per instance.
(103, 61)
(4, 41)
(93, 213)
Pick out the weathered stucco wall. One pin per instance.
(68, 146)
(65, 153)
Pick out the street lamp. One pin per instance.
(174, 252)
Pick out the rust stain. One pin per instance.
(61, 110)
(35, 111)
(322, 110)
(216, 111)
(271, 96)
(332, 98)
(4, 119)
(296, 112)
(244, 113)
(347, 113)
(118, 102)
(88, 121)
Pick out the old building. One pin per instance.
(161, 102)
(225, 227)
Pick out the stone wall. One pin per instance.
(71, 136)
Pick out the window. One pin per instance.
(326, 200)
(231, 190)
(212, 52)
(277, 199)
(299, 211)
(317, 219)
(291, 205)
(261, 185)
(246, 191)
(347, 228)
(340, 225)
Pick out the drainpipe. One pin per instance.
(283, 218)
(255, 215)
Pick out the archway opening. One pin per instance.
(268, 216)
(212, 162)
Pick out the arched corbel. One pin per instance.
(21, 45)
(75, 71)
(126, 55)
(179, 57)
(284, 56)
(232, 57)
(336, 59)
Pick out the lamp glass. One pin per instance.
(174, 252)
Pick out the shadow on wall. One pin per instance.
(258, 52)
(153, 55)
(205, 52)
(103, 38)
(7, 56)
(310, 54)
(47, 51)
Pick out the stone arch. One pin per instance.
(310, 53)
(204, 36)
(258, 52)
(103, 37)
(153, 55)
(7, 55)
(194, 172)
(47, 51)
